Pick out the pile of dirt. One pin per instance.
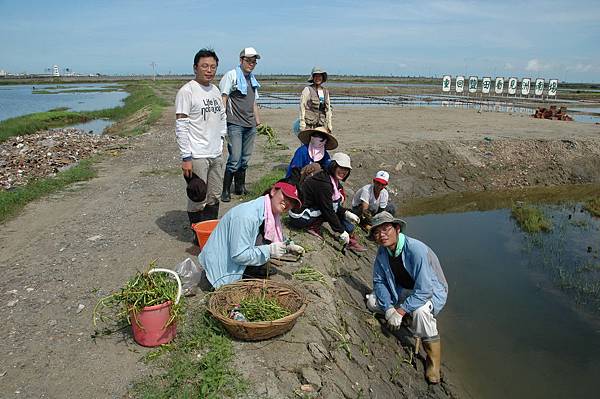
(33, 156)
(431, 167)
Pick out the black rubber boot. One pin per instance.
(240, 182)
(226, 194)
(195, 217)
(211, 212)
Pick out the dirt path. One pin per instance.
(72, 248)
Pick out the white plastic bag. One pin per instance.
(190, 275)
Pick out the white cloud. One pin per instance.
(508, 66)
(535, 65)
(581, 67)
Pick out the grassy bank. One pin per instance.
(14, 200)
(198, 364)
(141, 99)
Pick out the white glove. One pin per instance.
(277, 249)
(372, 303)
(352, 217)
(393, 318)
(295, 248)
(345, 237)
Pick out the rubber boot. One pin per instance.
(240, 182)
(226, 194)
(195, 217)
(433, 361)
(354, 245)
(211, 212)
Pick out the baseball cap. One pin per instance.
(382, 177)
(196, 188)
(250, 52)
(342, 160)
(289, 190)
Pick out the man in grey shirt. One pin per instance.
(239, 89)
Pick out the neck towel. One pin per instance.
(273, 227)
(336, 191)
(316, 148)
(241, 81)
(399, 246)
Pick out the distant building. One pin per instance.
(2, 72)
(55, 71)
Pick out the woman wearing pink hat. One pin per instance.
(372, 199)
(249, 235)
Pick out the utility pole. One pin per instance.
(153, 65)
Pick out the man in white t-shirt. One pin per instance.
(201, 127)
(372, 199)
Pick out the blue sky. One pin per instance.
(549, 39)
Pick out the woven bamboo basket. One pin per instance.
(226, 297)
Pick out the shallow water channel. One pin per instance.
(523, 314)
(17, 100)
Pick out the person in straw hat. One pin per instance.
(322, 196)
(408, 281)
(314, 148)
(315, 104)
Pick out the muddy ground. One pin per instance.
(64, 252)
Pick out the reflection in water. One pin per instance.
(504, 334)
(19, 100)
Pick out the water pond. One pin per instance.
(523, 315)
(17, 100)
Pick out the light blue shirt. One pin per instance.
(423, 266)
(232, 244)
(229, 83)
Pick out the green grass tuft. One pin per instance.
(530, 219)
(13, 201)
(198, 364)
(593, 206)
(265, 182)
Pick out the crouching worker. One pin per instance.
(372, 199)
(248, 235)
(322, 194)
(408, 281)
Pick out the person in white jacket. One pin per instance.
(200, 127)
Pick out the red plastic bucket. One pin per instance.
(203, 230)
(149, 325)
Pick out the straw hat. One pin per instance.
(304, 137)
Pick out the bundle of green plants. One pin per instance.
(530, 218)
(272, 139)
(307, 273)
(142, 290)
(262, 308)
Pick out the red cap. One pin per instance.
(289, 190)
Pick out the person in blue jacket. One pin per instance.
(408, 280)
(249, 235)
(315, 144)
